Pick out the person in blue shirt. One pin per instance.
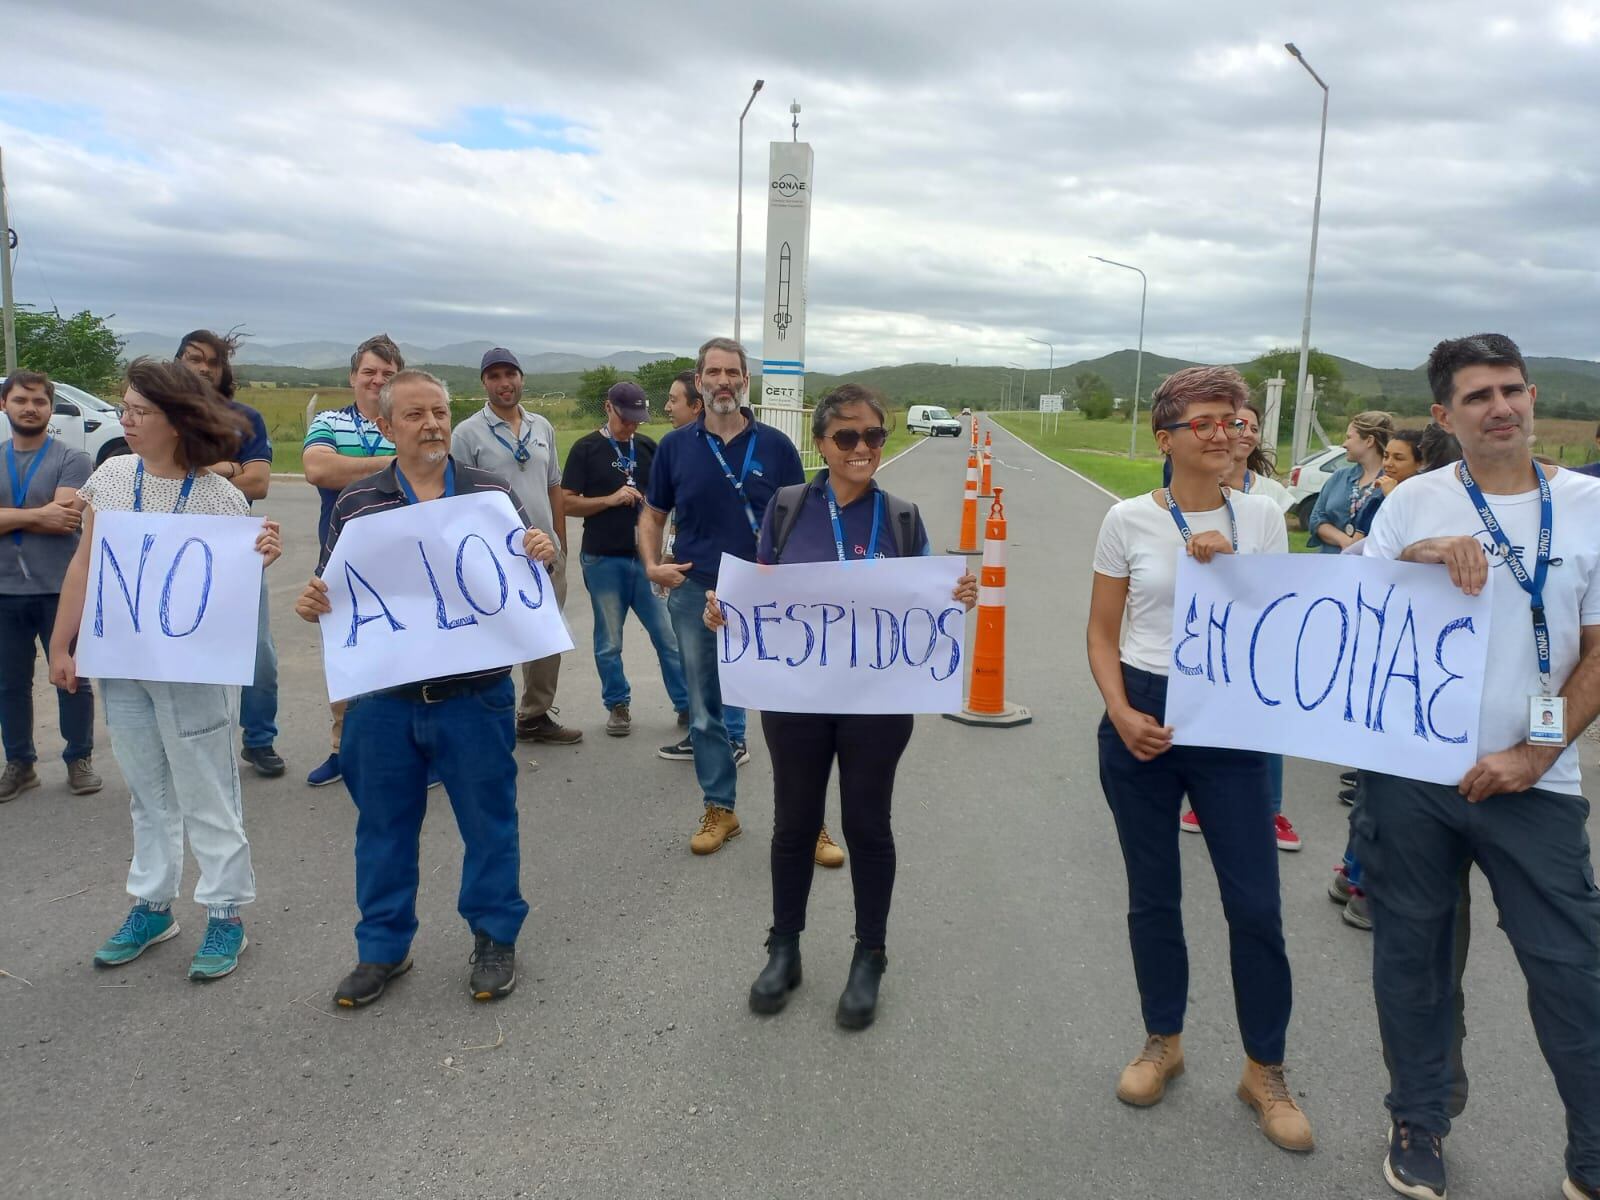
(717, 474)
(1343, 497)
(840, 516)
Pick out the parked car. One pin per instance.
(932, 420)
(83, 422)
(1306, 481)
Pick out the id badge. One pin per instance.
(1547, 721)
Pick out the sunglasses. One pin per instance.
(849, 439)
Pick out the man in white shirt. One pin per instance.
(1495, 520)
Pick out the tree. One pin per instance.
(592, 388)
(656, 377)
(79, 350)
(1091, 395)
(1285, 360)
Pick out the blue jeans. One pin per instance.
(616, 584)
(1228, 790)
(26, 621)
(708, 728)
(390, 743)
(258, 704)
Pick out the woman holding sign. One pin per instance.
(840, 516)
(173, 741)
(1195, 415)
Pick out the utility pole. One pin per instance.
(6, 299)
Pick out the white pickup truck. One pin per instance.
(83, 422)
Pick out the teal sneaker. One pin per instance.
(143, 929)
(219, 952)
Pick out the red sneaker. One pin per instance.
(1288, 839)
(1189, 823)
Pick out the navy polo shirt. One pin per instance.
(811, 537)
(686, 478)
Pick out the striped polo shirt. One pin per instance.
(350, 434)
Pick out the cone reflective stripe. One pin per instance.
(969, 510)
(986, 474)
(986, 689)
(974, 433)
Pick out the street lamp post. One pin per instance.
(738, 235)
(1302, 411)
(1022, 390)
(1138, 362)
(1050, 383)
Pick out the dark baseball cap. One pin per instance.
(628, 401)
(498, 357)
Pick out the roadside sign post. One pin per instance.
(1052, 405)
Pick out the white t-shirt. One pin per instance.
(110, 489)
(1261, 485)
(1437, 505)
(1139, 541)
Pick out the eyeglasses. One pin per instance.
(1205, 428)
(849, 439)
(134, 414)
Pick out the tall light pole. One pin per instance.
(1302, 411)
(1138, 362)
(1022, 390)
(738, 235)
(8, 318)
(1050, 385)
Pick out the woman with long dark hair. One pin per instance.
(173, 741)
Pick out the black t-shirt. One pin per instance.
(593, 470)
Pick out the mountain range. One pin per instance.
(326, 355)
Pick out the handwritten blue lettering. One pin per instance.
(1409, 625)
(134, 599)
(441, 615)
(811, 637)
(1344, 633)
(761, 640)
(351, 578)
(514, 548)
(954, 662)
(1189, 635)
(205, 589)
(878, 617)
(1222, 642)
(1380, 614)
(461, 575)
(1255, 638)
(1450, 676)
(838, 615)
(905, 637)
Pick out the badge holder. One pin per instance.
(1547, 721)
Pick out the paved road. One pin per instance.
(626, 1064)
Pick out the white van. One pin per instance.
(932, 420)
(83, 422)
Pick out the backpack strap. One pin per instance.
(902, 524)
(787, 504)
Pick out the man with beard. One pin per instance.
(209, 355)
(338, 450)
(717, 474)
(520, 447)
(42, 520)
(458, 726)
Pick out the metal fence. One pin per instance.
(796, 424)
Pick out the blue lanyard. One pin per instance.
(1249, 478)
(519, 452)
(1183, 526)
(738, 484)
(626, 465)
(838, 527)
(19, 487)
(1534, 584)
(411, 495)
(376, 444)
(138, 490)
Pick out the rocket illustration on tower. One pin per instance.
(781, 318)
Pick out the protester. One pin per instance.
(683, 400)
(1144, 775)
(173, 741)
(210, 355)
(1438, 447)
(604, 481)
(520, 447)
(1518, 814)
(338, 450)
(42, 521)
(683, 407)
(1352, 486)
(1402, 458)
(461, 727)
(840, 516)
(718, 512)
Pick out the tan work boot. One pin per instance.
(828, 852)
(1263, 1089)
(1144, 1080)
(718, 826)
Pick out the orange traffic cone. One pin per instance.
(986, 690)
(974, 433)
(986, 479)
(969, 509)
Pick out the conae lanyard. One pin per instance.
(625, 465)
(520, 451)
(411, 495)
(371, 448)
(738, 484)
(1249, 478)
(838, 527)
(1183, 526)
(138, 490)
(1533, 585)
(19, 487)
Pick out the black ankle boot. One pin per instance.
(770, 992)
(859, 1003)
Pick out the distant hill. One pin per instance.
(328, 355)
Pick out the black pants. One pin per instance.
(803, 747)
(24, 622)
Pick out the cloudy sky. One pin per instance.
(561, 176)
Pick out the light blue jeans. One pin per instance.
(617, 583)
(258, 705)
(713, 755)
(174, 743)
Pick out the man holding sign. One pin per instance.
(462, 726)
(1497, 518)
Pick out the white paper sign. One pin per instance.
(173, 597)
(1358, 661)
(431, 589)
(881, 636)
